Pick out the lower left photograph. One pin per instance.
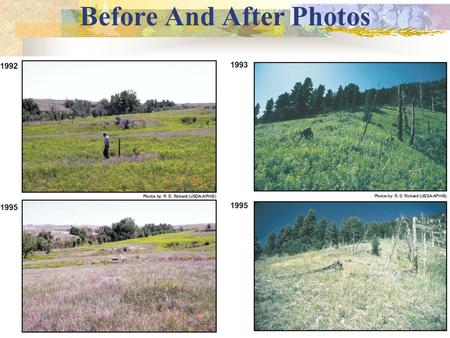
(119, 266)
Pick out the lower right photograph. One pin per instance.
(350, 266)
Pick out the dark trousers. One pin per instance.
(106, 151)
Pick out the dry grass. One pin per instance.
(365, 295)
(149, 291)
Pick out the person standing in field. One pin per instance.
(106, 144)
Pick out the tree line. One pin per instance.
(125, 102)
(305, 100)
(124, 229)
(309, 233)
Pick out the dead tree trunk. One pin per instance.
(413, 124)
(400, 115)
(415, 261)
(405, 117)
(432, 104)
(420, 95)
(395, 243)
(424, 235)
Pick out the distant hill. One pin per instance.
(48, 104)
(66, 227)
(54, 227)
(58, 105)
(200, 226)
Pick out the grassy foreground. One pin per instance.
(335, 159)
(159, 286)
(365, 295)
(158, 153)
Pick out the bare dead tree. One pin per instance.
(396, 240)
(420, 95)
(424, 235)
(400, 114)
(413, 122)
(415, 259)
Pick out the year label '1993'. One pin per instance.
(239, 64)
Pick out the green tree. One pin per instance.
(376, 250)
(320, 233)
(268, 113)
(334, 235)
(258, 248)
(282, 107)
(105, 233)
(30, 110)
(78, 232)
(124, 229)
(271, 243)
(257, 112)
(317, 104)
(328, 101)
(352, 230)
(29, 244)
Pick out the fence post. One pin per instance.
(119, 147)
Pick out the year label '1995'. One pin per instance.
(9, 65)
(9, 207)
(239, 205)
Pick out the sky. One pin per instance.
(108, 212)
(271, 216)
(273, 79)
(181, 82)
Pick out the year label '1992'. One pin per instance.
(9, 65)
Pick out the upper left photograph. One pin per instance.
(119, 126)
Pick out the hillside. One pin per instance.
(158, 283)
(365, 294)
(337, 157)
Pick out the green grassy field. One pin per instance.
(158, 153)
(365, 295)
(163, 283)
(335, 159)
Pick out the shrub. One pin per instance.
(376, 250)
(29, 244)
(188, 120)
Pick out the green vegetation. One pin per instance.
(163, 242)
(123, 102)
(291, 294)
(40, 256)
(193, 241)
(375, 247)
(308, 233)
(57, 264)
(158, 153)
(338, 157)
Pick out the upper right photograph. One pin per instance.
(350, 126)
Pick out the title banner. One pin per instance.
(115, 18)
